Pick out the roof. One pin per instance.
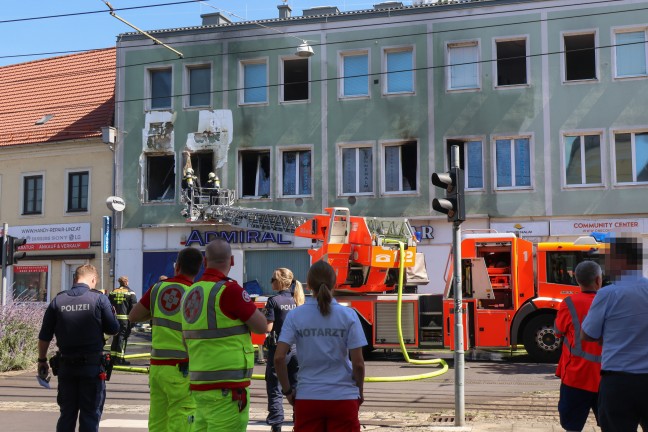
(78, 91)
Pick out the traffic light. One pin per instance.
(13, 243)
(453, 203)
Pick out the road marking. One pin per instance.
(143, 424)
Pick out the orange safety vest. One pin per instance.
(580, 361)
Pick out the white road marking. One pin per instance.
(143, 424)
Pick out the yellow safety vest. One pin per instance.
(220, 349)
(166, 314)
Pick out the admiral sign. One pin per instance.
(249, 236)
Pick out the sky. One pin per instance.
(24, 36)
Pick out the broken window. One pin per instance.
(295, 79)
(255, 173)
(511, 62)
(160, 88)
(202, 163)
(160, 177)
(199, 85)
(580, 57)
(296, 169)
(470, 160)
(401, 167)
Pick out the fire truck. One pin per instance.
(511, 287)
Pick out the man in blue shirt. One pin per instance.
(618, 318)
(78, 317)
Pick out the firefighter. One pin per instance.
(172, 406)
(123, 299)
(189, 179)
(213, 187)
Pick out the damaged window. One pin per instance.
(580, 57)
(511, 62)
(401, 167)
(295, 79)
(255, 174)
(296, 169)
(160, 88)
(202, 163)
(160, 178)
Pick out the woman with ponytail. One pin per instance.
(330, 386)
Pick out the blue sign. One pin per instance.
(107, 234)
(251, 236)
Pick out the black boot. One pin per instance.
(276, 428)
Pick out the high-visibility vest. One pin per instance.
(220, 349)
(580, 362)
(166, 317)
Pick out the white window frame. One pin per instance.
(22, 194)
(466, 139)
(494, 139)
(630, 29)
(563, 61)
(241, 80)
(613, 133)
(186, 85)
(381, 161)
(281, 80)
(239, 188)
(458, 44)
(148, 87)
(351, 53)
(385, 81)
(340, 168)
(279, 163)
(563, 162)
(69, 171)
(527, 60)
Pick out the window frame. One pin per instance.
(279, 161)
(613, 160)
(458, 44)
(239, 177)
(467, 139)
(68, 173)
(241, 79)
(351, 53)
(628, 29)
(385, 75)
(511, 137)
(563, 162)
(148, 85)
(563, 59)
(340, 168)
(187, 84)
(177, 183)
(23, 191)
(382, 159)
(281, 85)
(527, 59)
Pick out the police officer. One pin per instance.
(172, 407)
(122, 299)
(78, 318)
(276, 310)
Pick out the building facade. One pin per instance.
(56, 172)
(545, 100)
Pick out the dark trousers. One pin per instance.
(118, 346)
(623, 402)
(275, 398)
(82, 397)
(574, 406)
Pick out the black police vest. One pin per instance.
(78, 323)
(283, 303)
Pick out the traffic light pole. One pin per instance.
(459, 366)
(5, 236)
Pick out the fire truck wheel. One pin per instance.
(540, 339)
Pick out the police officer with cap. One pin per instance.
(78, 317)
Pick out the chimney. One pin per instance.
(389, 5)
(284, 10)
(321, 10)
(215, 18)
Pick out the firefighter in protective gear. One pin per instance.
(189, 179)
(217, 316)
(122, 299)
(172, 406)
(579, 368)
(213, 188)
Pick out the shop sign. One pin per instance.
(427, 232)
(30, 269)
(587, 226)
(53, 237)
(522, 229)
(251, 236)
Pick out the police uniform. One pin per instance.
(172, 406)
(122, 299)
(277, 307)
(78, 318)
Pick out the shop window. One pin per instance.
(30, 283)
(401, 167)
(160, 178)
(511, 62)
(580, 57)
(255, 173)
(295, 80)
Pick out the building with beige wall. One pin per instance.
(55, 169)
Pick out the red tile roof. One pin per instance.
(78, 89)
